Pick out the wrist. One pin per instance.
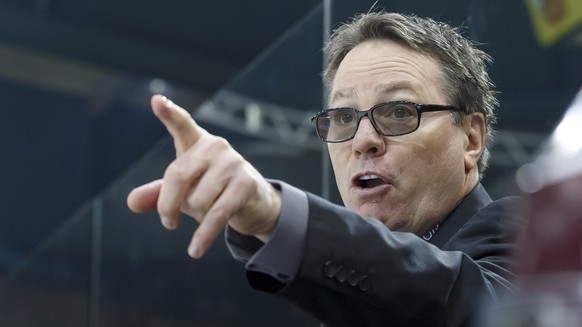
(266, 232)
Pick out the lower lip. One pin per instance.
(371, 191)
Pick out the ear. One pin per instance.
(475, 136)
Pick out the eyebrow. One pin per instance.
(348, 93)
(387, 88)
(383, 88)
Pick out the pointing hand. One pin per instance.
(208, 181)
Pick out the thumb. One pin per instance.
(144, 198)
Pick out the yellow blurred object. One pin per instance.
(554, 19)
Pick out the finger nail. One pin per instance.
(167, 101)
(194, 251)
(168, 223)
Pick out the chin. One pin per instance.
(375, 213)
(398, 226)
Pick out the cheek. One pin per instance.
(334, 152)
(432, 157)
(447, 159)
(338, 154)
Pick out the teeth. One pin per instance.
(368, 177)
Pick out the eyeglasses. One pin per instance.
(392, 118)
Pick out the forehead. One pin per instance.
(386, 68)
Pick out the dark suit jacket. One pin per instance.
(356, 272)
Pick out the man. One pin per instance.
(413, 108)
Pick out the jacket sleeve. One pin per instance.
(356, 272)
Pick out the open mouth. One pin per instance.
(369, 181)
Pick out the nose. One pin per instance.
(367, 141)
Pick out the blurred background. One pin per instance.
(77, 134)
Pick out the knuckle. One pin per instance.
(248, 184)
(215, 143)
(176, 172)
(236, 164)
(194, 208)
(221, 143)
(210, 146)
(218, 214)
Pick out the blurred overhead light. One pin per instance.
(561, 156)
(158, 85)
(253, 117)
(567, 139)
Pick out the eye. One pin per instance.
(343, 117)
(402, 111)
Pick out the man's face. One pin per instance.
(419, 177)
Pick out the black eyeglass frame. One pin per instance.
(420, 108)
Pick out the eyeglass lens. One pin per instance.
(389, 119)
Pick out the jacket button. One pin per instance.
(341, 274)
(353, 278)
(364, 283)
(329, 269)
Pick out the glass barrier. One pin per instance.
(54, 285)
(109, 267)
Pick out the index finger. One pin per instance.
(177, 121)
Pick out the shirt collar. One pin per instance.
(476, 200)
